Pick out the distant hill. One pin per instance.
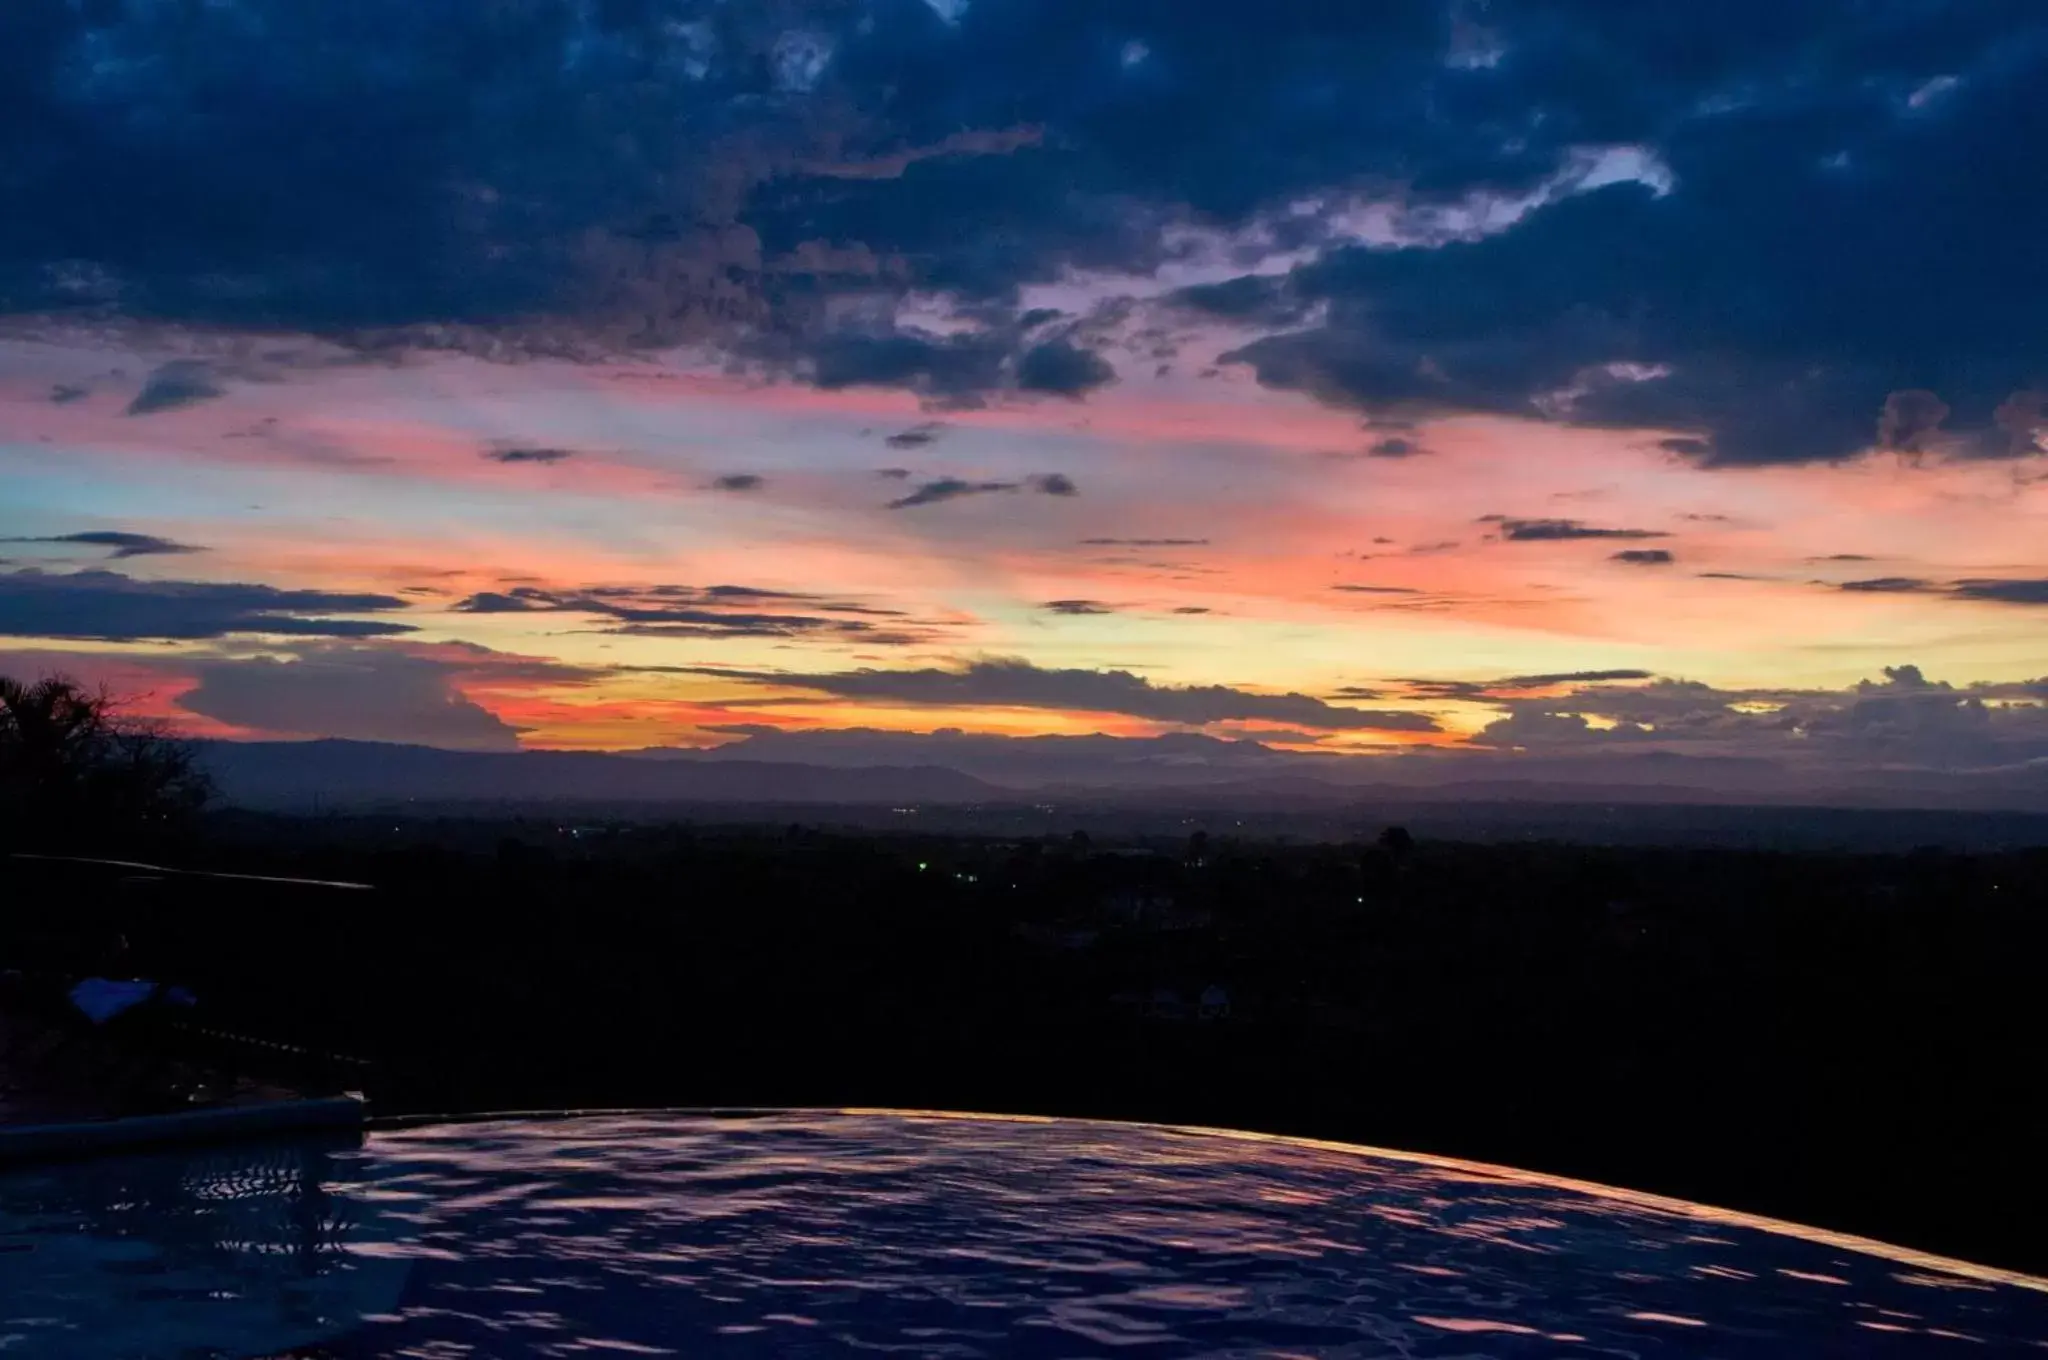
(860, 769)
(339, 774)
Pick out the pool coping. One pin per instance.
(91, 1137)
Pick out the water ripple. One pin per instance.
(811, 1234)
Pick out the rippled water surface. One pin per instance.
(803, 1234)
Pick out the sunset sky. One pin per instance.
(1528, 378)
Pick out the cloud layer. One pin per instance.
(1019, 684)
(1684, 221)
(1531, 345)
(1902, 721)
(710, 612)
(118, 543)
(114, 607)
(357, 693)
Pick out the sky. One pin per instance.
(1434, 379)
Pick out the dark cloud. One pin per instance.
(916, 437)
(2004, 592)
(410, 168)
(728, 592)
(955, 369)
(523, 600)
(63, 394)
(352, 692)
(1843, 557)
(2020, 421)
(947, 489)
(415, 167)
(894, 474)
(577, 178)
(1484, 689)
(1910, 421)
(1191, 609)
(1019, 684)
(1377, 590)
(1145, 542)
(711, 612)
(1902, 722)
(1076, 607)
(1395, 446)
(1556, 530)
(1898, 739)
(119, 543)
(1569, 678)
(1643, 557)
(1752, 297)
(1054, 484)
(518, 453)
(1063, 369)
(1252, 299)
(109, 605)
(739, 481)
(1888, 585)
(1992, 589)
(182, 382)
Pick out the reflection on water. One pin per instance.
(808, 1234)
(236, 1251)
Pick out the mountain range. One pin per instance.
(873, 769)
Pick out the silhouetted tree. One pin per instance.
(1396, 841)
(74, 771)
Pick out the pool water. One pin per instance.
(801, 1234)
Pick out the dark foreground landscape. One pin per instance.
(1850, 1040)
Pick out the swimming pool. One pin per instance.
(801, 1233)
